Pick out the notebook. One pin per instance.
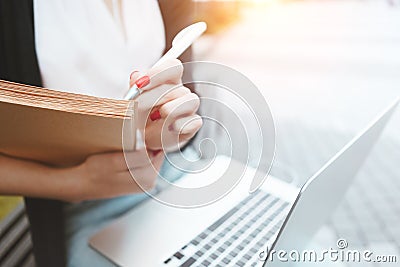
(62, 129)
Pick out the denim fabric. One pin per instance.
(86, 218)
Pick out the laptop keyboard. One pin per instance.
(236, 238)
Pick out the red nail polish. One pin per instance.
(133, 73)
(142, 82)
(156, 115)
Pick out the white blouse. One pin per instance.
(92, 46)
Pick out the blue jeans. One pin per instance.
(85, 219)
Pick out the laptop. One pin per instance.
(241, 229)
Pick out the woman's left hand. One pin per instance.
(167, 109)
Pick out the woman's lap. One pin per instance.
(85, 219)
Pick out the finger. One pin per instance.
(172, 142)
(114, 161)
(134, 76)
(124, 184)
(186, 105)
(119, 161)
(158, 161)
(161, 95)
(184, 138)
(144, 177)
(153, 133)
(173, 94)
(169, 72)
(187, 125)
(158, 135)
(139, 158)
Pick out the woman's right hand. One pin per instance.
(167, 109)
(109, 175)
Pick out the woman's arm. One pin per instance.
(20, 177)
(110, 175)
(100, 176)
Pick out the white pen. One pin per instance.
(182, 41)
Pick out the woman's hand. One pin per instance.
(110, 175)
(167, 120)
(100, 176)
(167, 109)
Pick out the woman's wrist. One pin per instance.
(64, 184)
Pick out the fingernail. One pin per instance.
(142, 82)
(156, 153)
(133, 73)
(156, 115)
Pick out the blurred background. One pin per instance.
(335, 63)
(326, 68)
